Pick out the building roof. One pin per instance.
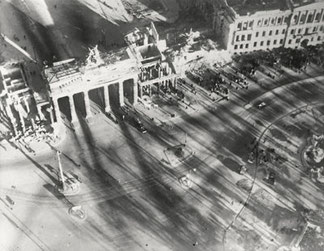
(249, 7)
(297, 3)
(11, 78)
(72, 68)
(62, 70)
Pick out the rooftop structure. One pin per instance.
(249, 7)
(12, 79)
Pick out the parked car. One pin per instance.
(10, 200)
(139, 125)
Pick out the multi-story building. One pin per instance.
(249, 25)
(306, 25)
(16, 98)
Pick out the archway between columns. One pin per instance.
(64, 107)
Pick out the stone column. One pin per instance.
(22, 119)
(87, 104)
(41, 115)
(175, 82)
(140, 91)
(26, 104)
(12, 118)
(57, 111)
(121, 93)
(135, 91)
(74, 116)
(106, 96)
(51, 113)
(149, 90)
(158, 87)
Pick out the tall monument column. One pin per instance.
(72, 109)
(121, 93)
(87, 104)
(106, 96)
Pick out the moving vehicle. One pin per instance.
(261, 105)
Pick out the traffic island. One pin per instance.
(77, 212)
(177, 154)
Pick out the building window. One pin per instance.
(268, 42)
(306, 30)
(319, 38)
(266, 22)
(315, 29)
(239, 26)
(273, 21)
(257, 34)
(289, 41)
(286, 20)
(275, 41)
(312, 39)
(263, 33)
(261, 43)
(321, 28)
(277, 32)
(281, 41)
(251, 24)
(318, 17)
(283, 31)
(279, 20)
(295, 19)
(247, 46)
(303, 18)
(255, 44)
(292, 31)
(237, 38)
(235, 47)
(299, 31)
(243, 37)
(310, 18)
(259, 22)
(298, 40)
(249, 37)
(241, 46)
(270, 33)
(245, 25)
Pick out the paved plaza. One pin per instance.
(207, 174)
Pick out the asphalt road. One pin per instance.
(131, 199)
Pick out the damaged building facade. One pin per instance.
(17, 103)
(108, 79)
(250, 25)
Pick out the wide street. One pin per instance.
(133, 200)
(131, 195)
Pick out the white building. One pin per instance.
(249, 25)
